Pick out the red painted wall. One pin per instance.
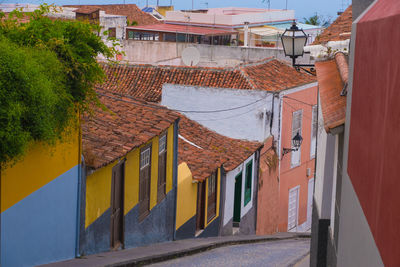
(291, 177)
(374, 144)
(268, 191)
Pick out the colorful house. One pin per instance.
(39, 204)
(333, 76)
(253, 101)
(129, 192)
(217, 183)
(364, 217)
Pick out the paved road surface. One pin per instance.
(274, 253)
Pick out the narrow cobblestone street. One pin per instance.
(273, 253)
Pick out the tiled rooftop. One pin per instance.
(204, 150)
(111, 134)
(131, 11)
(86, 9)
(146, 81)
(275, 75)
(331, 84)
(339, 30)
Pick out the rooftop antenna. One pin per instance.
(286, 5)
(191, 56)
(192, 4)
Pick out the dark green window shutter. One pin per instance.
(249, 175)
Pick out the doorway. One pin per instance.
(310, 202)
(117, 206)
(293, 209)
(200, 213)
(237, 204)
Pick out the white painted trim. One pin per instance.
(187, 141)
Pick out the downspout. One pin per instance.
(279, 152)
(272, 115)
(264, 123)
(78, 204)
(257, 157)
(175, 172)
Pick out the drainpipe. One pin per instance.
(264, 123)
(78, 204)
(246, 34)
(175, 173)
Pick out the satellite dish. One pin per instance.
(190, 56)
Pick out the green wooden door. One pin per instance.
(238, 198)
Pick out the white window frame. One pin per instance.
(294, 131)
(145, 158)
(314, 121)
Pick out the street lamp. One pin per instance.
(296, 143)
(293, 41)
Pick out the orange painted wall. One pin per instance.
(268, 191)
(292, 177)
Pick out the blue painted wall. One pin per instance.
(41, 228)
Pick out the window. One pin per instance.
(144, 182)
(314, 127)
(296, 128)
(247, 185)
(112, 32)
(162, 167)
(212, 196)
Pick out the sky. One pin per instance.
(303, 8)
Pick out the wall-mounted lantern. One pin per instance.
(296, 143)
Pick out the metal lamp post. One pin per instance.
(296, 142)
(293, 41)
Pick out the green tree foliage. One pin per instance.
(317, 20)
(48, 70)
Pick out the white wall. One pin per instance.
(230, 20)
(244, 123)
(230, 191)
(111, 21)
(154, 52)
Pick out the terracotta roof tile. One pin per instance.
(146, 81)
(275, 75)
(131, 11)
(208, 150)
(330, 87)
(109, 135)
(339, 30)
(86, 9)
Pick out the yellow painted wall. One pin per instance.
(154, 172)
(170, 158)
(163, 9)
(187, 196)
(98, 193)
(218, 199)
(131, 180)
(98, 184)
(42, 164)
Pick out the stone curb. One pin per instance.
(201, 248)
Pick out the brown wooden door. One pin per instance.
(200, 206)
(212, 197)
(144, 182)
(117, 206)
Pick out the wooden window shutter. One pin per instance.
(144, 182)
(162, 167)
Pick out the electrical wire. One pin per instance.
(305, 103)
(178, 110)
